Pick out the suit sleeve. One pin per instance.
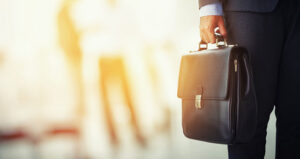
(205, 2)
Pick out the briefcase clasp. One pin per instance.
(198, 102)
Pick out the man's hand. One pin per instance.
(208, 25)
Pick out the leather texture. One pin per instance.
(229, 110)
(207, 62)
(199, 124)
(261, 6)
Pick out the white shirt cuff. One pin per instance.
(211, 9)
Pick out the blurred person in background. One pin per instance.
(112, 70)
(270, 30)
(69, 40)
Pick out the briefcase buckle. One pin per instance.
(198, 103)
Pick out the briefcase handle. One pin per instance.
(219, 38)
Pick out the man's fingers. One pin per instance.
(207, 26)
(222, 28)
(203, 35)
(211, 36)
(207, 35)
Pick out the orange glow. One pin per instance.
(95, 79)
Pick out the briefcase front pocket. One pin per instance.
(211, 123)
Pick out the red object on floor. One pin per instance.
(13, 135)
(57, 131)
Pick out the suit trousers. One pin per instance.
(273, 42)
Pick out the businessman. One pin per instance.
(270, 30)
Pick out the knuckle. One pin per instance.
(207, 27)
(224, 34)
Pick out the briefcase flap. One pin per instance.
(205, 72)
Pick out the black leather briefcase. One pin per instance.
(218, 97)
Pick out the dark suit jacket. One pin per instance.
(244, 5)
